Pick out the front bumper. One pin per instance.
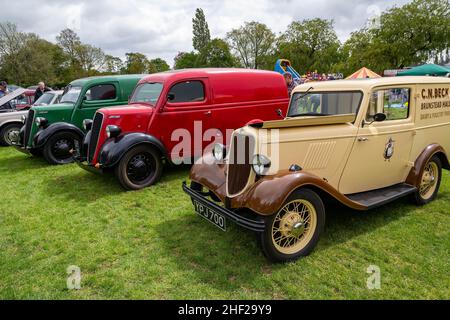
(87, 166)
(256, 224)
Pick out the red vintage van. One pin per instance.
(135, 140)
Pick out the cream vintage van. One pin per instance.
(363, 143)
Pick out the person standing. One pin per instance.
(290, 82)
(3, 88)
(40, 90)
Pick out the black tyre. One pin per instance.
(430, 182)
(57, 149)
(294, 231)
(36, 152)
(9, 133)
(139, 168)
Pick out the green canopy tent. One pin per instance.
(426, 70)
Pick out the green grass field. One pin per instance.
(151, 245)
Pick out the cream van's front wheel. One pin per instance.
(294, 231)
(430, 182)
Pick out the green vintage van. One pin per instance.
(53, 131)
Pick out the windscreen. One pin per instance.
(147, 93)
(71, 95)
(324, 103)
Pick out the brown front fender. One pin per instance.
(268, 194)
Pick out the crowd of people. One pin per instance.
(309, 77)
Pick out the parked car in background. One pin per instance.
(363, 143)
(53, 130)
(19, 99)
(49, 98)
(11, 121)
(135, 139)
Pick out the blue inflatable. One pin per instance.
(282, 66)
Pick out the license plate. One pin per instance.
(215, 218)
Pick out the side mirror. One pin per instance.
(279, 113)
(170, 96)
(379, 117)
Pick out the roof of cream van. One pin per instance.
(368, 84)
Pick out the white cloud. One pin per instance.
(163, 28)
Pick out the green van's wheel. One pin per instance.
(58, 148)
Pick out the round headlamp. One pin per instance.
(41, 122)
(219, 151)
(113, 131)
(261, 164)
(87, 124)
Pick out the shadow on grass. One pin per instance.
(202, 248)
(21, 161)
(86, 187)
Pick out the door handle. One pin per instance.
(208, 113)
(363, 139)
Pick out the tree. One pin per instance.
(217, 54)
(136, 63)
(201, 33)
(415, 33)
(69, 41)
(112, 65)
(310, 45)
(253, 44)
(26, 59)
(158, 65)
(91, 59)
(186, 60)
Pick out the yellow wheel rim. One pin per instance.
(429, 180)
(294, 226)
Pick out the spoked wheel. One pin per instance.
(10, 134)
(58, 147)
(141, 167)
(294, 230)
(429, 183)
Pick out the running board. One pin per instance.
(376, 198)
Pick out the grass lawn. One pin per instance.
(151, 245)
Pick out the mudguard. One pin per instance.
(115, 148)
(42, 136)
(415, 175)
(268, 194)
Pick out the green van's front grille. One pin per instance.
(28, 127)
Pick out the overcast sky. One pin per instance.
(163, 28)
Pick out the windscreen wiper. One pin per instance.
(309, 114)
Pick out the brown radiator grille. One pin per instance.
(239, 166)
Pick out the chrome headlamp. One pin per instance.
(41, 122)
(113, 131)
(87, 124)
(261, 164)
(219, 152)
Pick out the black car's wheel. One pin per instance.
(10, 133)
(430, 182)
(58, 147)
(141, 167)
(294, 231)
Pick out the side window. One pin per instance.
(101, 92)
(394, 103)
(188, 91)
